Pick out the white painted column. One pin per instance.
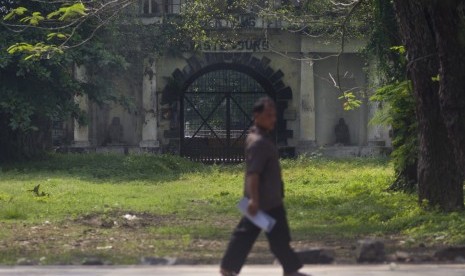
(373, 130)
(307, 107)
(81, 132)
(149, 105)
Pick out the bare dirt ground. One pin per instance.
(115, 238)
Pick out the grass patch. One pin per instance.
(187, 210)
(13, 212)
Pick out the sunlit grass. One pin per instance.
(326, 199)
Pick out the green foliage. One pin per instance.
(36, 80)
(398, 111)
(385, 44)
(396, 98)
(29, 89)
(50, 36)
(38, 50)
(67, 17)
(350, 101)
(34, 19)
(20, 111)
(37, 61)
(399, 49)
(68, 12)
(19, 11)
(394, 95)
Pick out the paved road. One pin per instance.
(253, 270)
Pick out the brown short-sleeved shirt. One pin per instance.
(262, 157)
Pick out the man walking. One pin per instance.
(264, 188)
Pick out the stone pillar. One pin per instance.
(307, 107)
(81, 132)
(363, 123)
(377, 135)
(150, 106)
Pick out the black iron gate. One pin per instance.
(216, 113)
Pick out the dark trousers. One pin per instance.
(246, 233)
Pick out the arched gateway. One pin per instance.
(215, 113)
(216, 100)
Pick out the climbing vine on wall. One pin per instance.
(394, 93)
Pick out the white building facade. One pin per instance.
(198, 104)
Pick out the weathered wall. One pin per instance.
(329, 109)
(285, 62)
(311, 114)
(166, 65)
(131, 121)
(291, 70)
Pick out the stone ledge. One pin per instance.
(344, 151)
(149, 144)
(81, 144)
(306, 147)
(119, 149)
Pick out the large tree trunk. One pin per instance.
(439, 180)
(449, 28)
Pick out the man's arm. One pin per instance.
(252, 181)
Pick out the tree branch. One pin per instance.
(344, 31)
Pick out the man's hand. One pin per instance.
(252, 182)
(252, 209)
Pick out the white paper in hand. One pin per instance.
(261, 219)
